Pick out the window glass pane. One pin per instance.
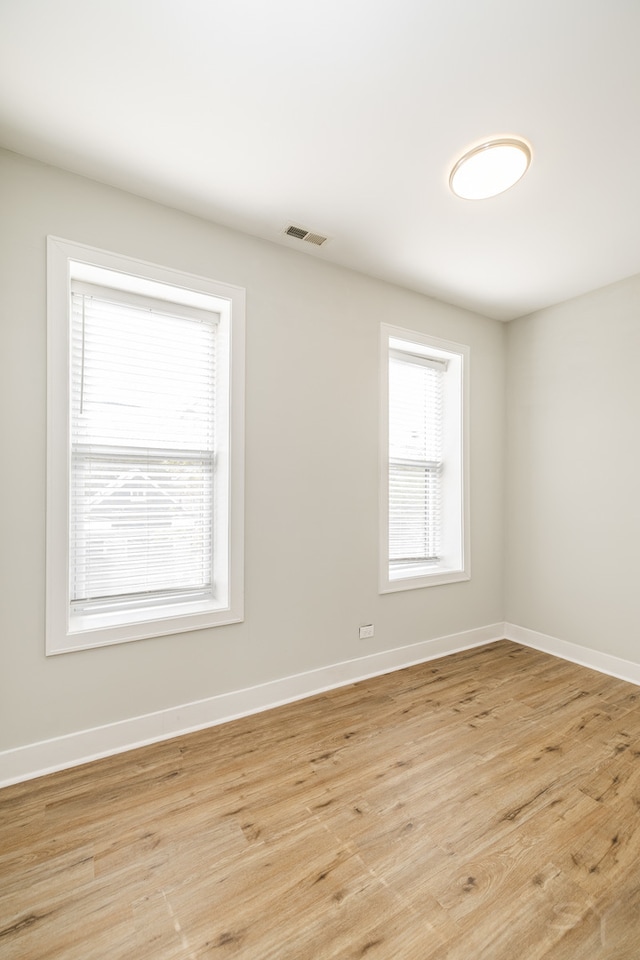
(415, 411)
(414, 513)
(142, 453)
(141, 377)
(415, 460)
(140, 525)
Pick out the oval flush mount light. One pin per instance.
(490, 169)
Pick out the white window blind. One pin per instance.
(143, 450)
(415, 459)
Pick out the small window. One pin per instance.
(145, 447)
(423, 456)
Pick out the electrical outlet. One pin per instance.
(366, 632)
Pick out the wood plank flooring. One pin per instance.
(485, 806)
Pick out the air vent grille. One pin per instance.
(300, 233)
(315, 238)
(296, 232)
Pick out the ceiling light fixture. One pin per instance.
(490, 169)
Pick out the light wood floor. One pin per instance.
(485, 806)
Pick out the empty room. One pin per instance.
(320, 337)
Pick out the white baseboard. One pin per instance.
(47, 756)
(584, 656)
(37, 759)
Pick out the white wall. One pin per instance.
(311, 457)
(573, 516)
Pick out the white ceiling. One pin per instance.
(344, 117)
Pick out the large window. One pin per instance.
(423, 461)
(145, 450)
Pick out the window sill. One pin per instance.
(100, 630)
(415, 581)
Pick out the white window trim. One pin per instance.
(64, 634)
(455, 565)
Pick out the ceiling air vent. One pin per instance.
(315, 238)
(301, 234)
